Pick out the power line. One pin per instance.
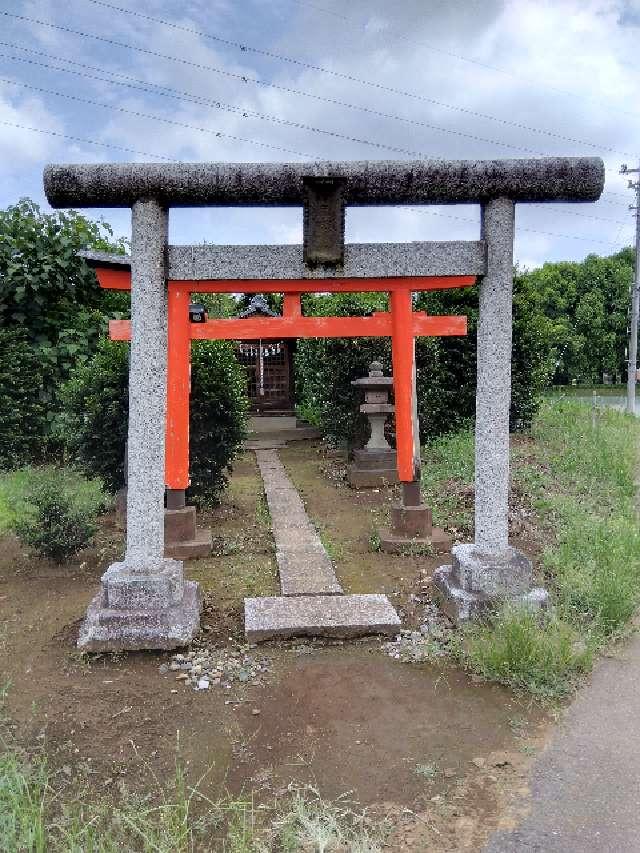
(141, 85)
(520, 228)
(181, 95)
(334, 101)
(85, 140)
(320, 68)
(172, 160)
(138, 114)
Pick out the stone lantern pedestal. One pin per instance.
(375, 464)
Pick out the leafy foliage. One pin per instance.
(93, 426)
(581, 311)
(46, 288)
(445, 367)
(218, 417)
(58, 519)
(51, 294)
(23, 410)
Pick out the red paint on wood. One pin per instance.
(274, 328)
(121, 280)
(291, 306)
(402, 351)
(112, 279)
(178, 388)
(120, 330)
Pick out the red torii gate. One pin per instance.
(400, 323)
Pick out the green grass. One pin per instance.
(447, 473)
(580, 477)
(173, 818)
(15, 486)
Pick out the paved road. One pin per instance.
(586, 785)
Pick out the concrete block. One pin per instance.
(508, 573)
(109, 629)
(462, 601)
(160, 586)
(369, 460)
(193, 549)
(438, 542)
(306, 572)
(319, 616)
(411, 521)
(179, 525)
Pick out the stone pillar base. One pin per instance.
(477, 583)
(372, 469)
(154, 609)
(411, 530)
(182, 539)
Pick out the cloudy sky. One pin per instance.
(250, 80)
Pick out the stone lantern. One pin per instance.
(375, 464)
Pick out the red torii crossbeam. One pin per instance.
(400, 323)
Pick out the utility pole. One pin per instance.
(635, 298)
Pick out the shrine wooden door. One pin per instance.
(268, 366)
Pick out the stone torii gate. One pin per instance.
(144, 601)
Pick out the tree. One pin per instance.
(582, 309)
(47, 289)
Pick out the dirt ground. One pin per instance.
(443, 754)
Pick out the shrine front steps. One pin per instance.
(312, 602)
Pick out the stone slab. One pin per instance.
(300, 538)
(194, 549)
(304, 566)
(307, 573)
(265, 423)
(107, 629)
(438, 542)
(338, 616)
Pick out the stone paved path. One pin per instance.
(586, 785)
(304, 565)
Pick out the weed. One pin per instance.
(427, 771)
(374, 541)
(518, 648)
(263, 516)
(447, 473)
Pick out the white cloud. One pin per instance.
(564, 66)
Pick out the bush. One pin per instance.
(58, 517)
(23, 410)
(446, 367)
(93, 425)
(219, 409)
